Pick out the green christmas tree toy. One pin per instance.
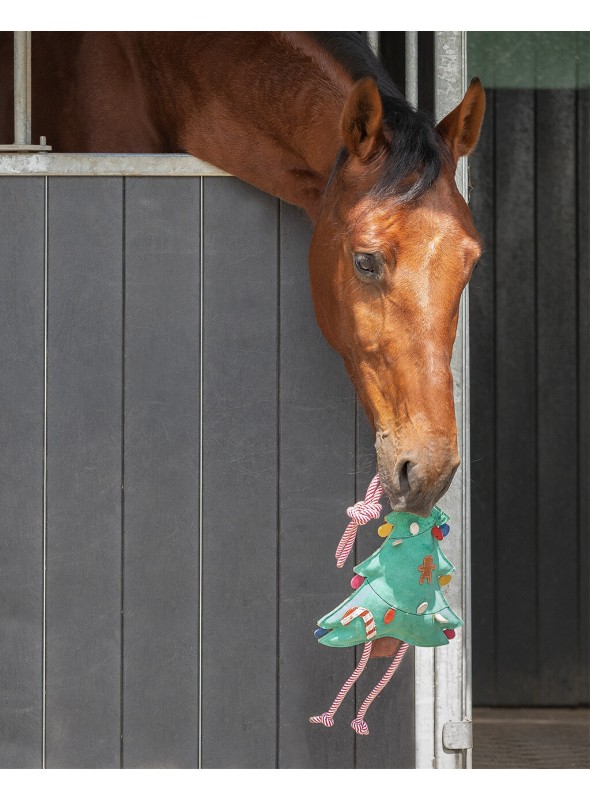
(397, 593)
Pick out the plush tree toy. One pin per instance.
(397, 593)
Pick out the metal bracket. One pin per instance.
(458, 735)
(42, 147)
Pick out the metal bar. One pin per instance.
(22, 87)
(449, 670)
(424, 707)
(201, 450)
(412, 68)
(84, 164)
(373, 41)
(45, 429)
(452, 678)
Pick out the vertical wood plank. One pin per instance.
(583, 173)
(240, 511)
(557, 444)
(161, 473)
(483, 396)
(316, 485)
(84, 472)
(516, 431)
(22, 225)
(391, 718)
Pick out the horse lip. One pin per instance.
(420, 503)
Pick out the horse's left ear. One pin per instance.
(460, 129)
(362, 119)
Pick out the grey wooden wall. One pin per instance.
(530, 348)
(178, 445)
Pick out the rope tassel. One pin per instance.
(327, 718)
(360, 513)
(358, 724)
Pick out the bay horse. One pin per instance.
(315, 120)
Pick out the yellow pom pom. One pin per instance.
(385, 530)
(444, 579)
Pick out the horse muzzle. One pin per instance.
(415, 478)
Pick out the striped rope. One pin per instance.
(327, 718)
(358, 724)
(360, 513)
(367, 617)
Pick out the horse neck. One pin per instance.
(265, 107)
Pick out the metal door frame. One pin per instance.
(443, 674)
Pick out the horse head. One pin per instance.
(393, 248)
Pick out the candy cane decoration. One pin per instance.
(367, 617)
(360, 513)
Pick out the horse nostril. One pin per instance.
(404, 480)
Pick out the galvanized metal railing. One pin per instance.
(412, 68)
(443, 674)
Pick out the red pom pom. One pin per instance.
(357, 581)
(437, 533)
(389, 615)
(449, 633)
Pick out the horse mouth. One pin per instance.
(420, 503)
(415, 481)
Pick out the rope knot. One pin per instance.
(360, 513)
(360, 727)
(364, 510)
(323, 719)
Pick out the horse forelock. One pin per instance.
(417, 152)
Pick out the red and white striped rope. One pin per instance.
(360, 513)
(367, 617)
(327, 718)
(358, 724)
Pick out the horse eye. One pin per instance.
(367, 265)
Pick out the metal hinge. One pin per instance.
(458, 735)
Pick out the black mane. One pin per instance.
(416, 148)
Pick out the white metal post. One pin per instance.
(22, 99)
(22, 87)
(412, 68)
(443, 674)
(373, 41)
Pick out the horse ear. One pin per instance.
(460, 129)
(362, 119)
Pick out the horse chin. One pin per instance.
(421, 507)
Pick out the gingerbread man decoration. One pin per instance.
(426, 569)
